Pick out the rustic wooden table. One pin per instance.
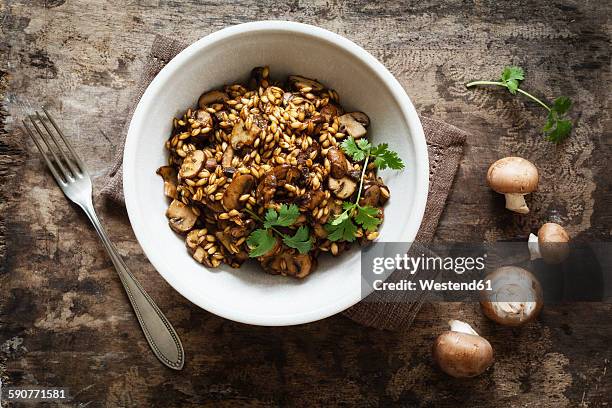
(65, 321)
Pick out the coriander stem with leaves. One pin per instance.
(258, 218)
(519, 90)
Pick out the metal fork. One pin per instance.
(73, 178)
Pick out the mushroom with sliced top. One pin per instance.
(211, 97)
(192, 164)
(168, 173)
(180, 217)
(202, 119)
(240, 185)
(338, 162)
(241, 136)
(514, 177)
(551, 243)
(515, 297)
(460, 352)
(343, 187)
(300, 83)
(352, 126)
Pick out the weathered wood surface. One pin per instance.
(64, 320)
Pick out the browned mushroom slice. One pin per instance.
(211, 164)
(330, 111)
(300, 82)
(337, 159)
(289, 264)
(212, 97)
(241, 136)
(371, 196)
(168, 173)
(342, 188)
(192, 164)
(228, 155)
(278, 177)
(312, 199)
(349, 124)
(240, 185)
(361, 118)
(181, 218)
(203, 119)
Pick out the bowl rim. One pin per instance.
(138, 222)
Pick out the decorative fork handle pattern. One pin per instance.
(157, 329)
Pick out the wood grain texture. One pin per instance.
(65, 321)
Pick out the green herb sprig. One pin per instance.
(344, 226)
(557, 126)
(262, 240)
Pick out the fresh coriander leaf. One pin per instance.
(300, 241)
(350, 147)
(348, 206)
(286, 216)
(386, 158)
(562, 104)
(560, 132)
(345, 231)
(511, 77)
(550, 122)
(368, 217)
(260, 242)
(363, 144)
(340, 218)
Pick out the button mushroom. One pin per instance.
(337, 160)
(349, 124)
(342, 188)
(181, 218)
(461, 352)
(515, 297)
(242, 137)
(551, 243)
(300, 82)
(210, 97)
(192, 164)
(514, 177)
(239, 186)
(168, 173)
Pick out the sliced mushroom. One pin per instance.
(168, 173)
(287, 263)
(192, 164)
(240, 185)
(361, 118)
(330, 111)
(349, 124)
(228, 155)
(278, 177)
(241, 136)
(181, 218)
(300, 82)
(203, 119)
(337, 159)
(342, 188)
(312, 199)
(371, 196)
(212, 97)
(211, 164)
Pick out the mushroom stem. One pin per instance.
(461, 327)
(516, 202)
(534, 247)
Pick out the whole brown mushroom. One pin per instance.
(461, 352)
(515, 297)
(514, 177)
(551, 243)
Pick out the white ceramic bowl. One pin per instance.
(247, 294)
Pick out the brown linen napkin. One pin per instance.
(445, 146)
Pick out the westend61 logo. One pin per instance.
(413, 264)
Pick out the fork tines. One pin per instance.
(64, 163)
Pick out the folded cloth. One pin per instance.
(445, 146)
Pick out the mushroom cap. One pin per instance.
(462, 355)
(553, 242)
(513, 175)
(516, 297)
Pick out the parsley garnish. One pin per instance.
(344, 226)
(262, 240)
(557, 126)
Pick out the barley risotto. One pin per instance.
(275, 171)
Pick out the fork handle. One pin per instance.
(157, 329)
